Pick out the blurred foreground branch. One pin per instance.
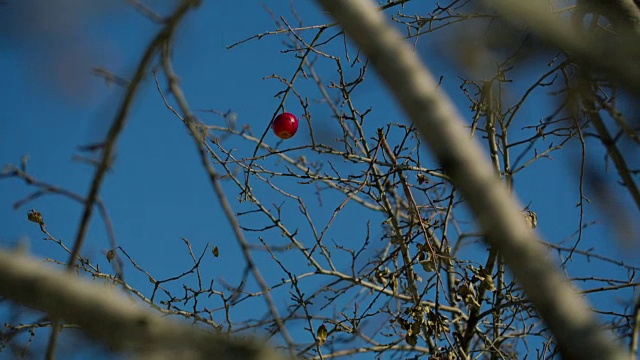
(110, 317)
(619, 61)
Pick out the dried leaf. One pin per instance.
(404, 325)
(482, 272)
(35, 216)
(321, 334)
(488, 283)
(417, 313)
(381, 276)
(485, 276)
(110, 255)
(415, 328)
(428, 265)
(411, 339)
(422, 178)
(465, 290)
(468, 295)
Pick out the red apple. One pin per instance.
(285, 125)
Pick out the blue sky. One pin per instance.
(157, 191)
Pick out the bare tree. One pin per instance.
(408, 278)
